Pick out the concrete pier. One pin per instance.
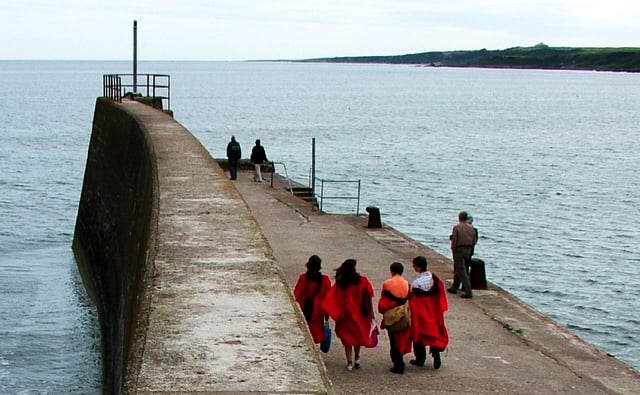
(498, 344)
(208, 310)
(192, 275)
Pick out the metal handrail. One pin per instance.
(322, 197)
(157, 86)
(285, 174)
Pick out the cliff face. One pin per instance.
(115, 229)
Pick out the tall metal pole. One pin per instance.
(135, 56)
(313, 167)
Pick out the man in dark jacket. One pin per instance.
(234, 153)
(258, 157)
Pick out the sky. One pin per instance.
(302, 29)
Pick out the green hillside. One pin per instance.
(540, 56)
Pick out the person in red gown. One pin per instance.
(428, 303)
(310, 290)
(395, 292)
(349, 304)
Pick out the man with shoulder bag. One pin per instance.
(394, 307)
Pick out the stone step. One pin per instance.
(304, 193)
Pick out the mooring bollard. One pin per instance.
(374, 217)
(477, 274)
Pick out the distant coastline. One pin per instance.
(539, 56)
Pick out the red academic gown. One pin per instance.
(402, 339)
(305, 289)
(427, 316)
(345, 306)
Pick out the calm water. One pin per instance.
(49, 337)
(546, 162)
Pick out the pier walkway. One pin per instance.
(192, 276)
(190, 298)
(498, 344)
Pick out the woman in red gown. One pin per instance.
(310, 290)
(349, 304)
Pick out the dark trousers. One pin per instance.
(233, 168)
(396, 356)
(420, 351)
(460, 276)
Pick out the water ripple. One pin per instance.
(549, 176)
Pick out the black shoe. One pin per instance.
(396, 370)
(415, 362)
(452, 291)
(436, 360)
(466, 296)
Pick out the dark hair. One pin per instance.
(346, 274)
(420, 262)
(314, 264)
(396, 268)
(462, 216)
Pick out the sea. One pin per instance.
(547, 163)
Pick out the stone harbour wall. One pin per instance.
(189, 296)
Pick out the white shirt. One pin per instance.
(424, 281)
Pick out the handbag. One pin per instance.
(373, 334)
(325, 345)
(397, 318)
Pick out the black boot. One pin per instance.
(416, 362)
(437, 362)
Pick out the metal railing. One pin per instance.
(112, 87)
(156, 86)
(286, 175)
(341, 197)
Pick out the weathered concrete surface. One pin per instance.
(216, 316)
(498, 344)
(221, 317)
(115, 229)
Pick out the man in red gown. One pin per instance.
(428, 303)
(395, 292)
